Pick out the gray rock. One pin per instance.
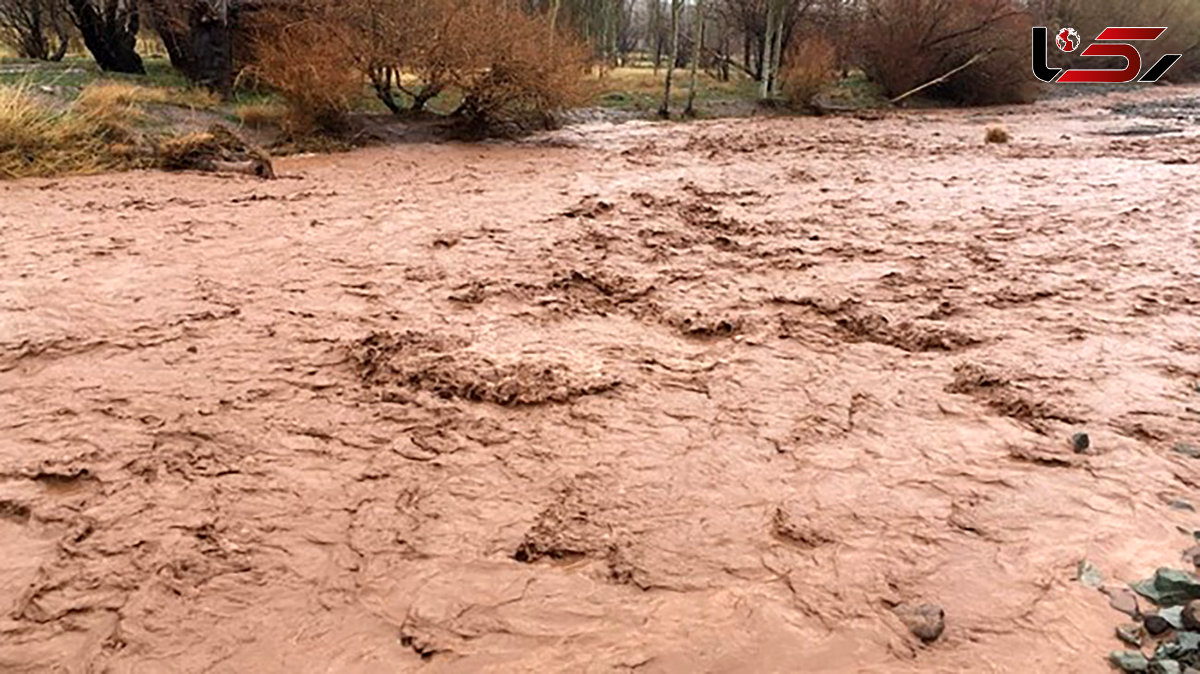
(1169, 587)
(1081, 442)
(1089, 575)
(1180, 504)
(1130, 633)
(1185, 646)
(1129, 661)
(1173, 616)
(1191, 615)
(926, 621)
(1123, 600)
(1156, 625)
(1165, 667)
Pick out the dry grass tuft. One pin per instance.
(122, 98)
(38, 140)
(260, 115)
(996, 134)
(39, 137)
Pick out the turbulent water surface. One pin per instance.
(705, 397)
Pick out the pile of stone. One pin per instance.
(1171, 628)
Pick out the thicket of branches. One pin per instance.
(37, 29)
(497, 63)
(907, 43)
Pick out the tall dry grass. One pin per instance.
(42, 136)
(38, 140)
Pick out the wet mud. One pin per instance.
(739, 395)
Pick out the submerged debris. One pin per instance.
(926, 621)
(1187, 450)
(215, 150)
(996, 134)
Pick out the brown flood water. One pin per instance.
(707, 397)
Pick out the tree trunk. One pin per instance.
(381, 79)
(61, 32)
(199, 38)
(664, 110)
(767, 59)
(697, 40)
(656, 33)
(109, 29)
(777, 53)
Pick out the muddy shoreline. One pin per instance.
(664, 397)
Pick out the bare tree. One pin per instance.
(109, 29)
(199, 36)
(36, 29)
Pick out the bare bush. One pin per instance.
(307, 60)
(522, 73)
(808, 69)
(36, 29)
(907, 43)
(501, 65)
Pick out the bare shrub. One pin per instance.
(808, 69)
(307, 59)
(907, 43)
(523, 72)
(406, 47)
(503, 66)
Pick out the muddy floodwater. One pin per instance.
(722, 396)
